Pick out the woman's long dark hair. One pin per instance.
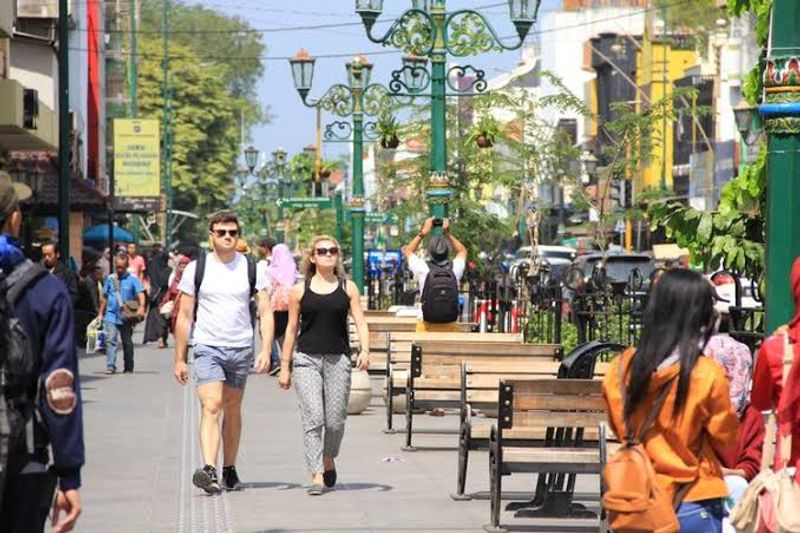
(680, 314)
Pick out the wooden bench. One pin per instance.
(434, 378)
(479, 385)
(572, 407)
(399, 359)
(380, 328)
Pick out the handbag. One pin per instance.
(772, 499)
(128, 309)
(166, 309)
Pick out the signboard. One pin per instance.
(318, 203)
(379, 218)
(137, 164)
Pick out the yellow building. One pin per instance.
(655, 83)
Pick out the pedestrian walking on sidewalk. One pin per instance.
(41, 444)
(282, 272)
(119, 291)
(320, 366)
(218, 288)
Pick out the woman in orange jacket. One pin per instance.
(697, 421)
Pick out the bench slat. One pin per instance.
(557, 419)
(489, 349)
(555, 386)
(551, 455)
(558, 402)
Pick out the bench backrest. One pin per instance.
(431, 356)
(400, 343)
(550, 403)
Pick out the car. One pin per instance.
(559, 258)
(618, 268)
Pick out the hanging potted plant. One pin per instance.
(484, 132)
(327, 168)
(389, 129)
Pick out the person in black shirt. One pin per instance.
(321, 364)
(51, 256)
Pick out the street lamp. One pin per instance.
(251, 157)
(748, 122)
(356, 99)
(429, 31)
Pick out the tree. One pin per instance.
(225, 41)
(204, 126)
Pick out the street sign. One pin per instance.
(379, 218)
(318, 203)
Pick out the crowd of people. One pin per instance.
(688, 395)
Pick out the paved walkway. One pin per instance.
(142, 447)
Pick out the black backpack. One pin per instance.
(200, 271)
(19, 369)
(440, 296)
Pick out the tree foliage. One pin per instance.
(204, 126)
(224, 41)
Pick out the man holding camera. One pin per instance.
(438, 277)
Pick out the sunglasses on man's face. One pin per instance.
(333, 250)
(221, 232)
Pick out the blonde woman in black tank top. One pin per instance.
(318, 363)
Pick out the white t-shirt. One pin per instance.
(223, 311)
(420, 269)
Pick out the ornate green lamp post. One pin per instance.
(780, 111)
(429, 31)
(279, 169)
(356, 99)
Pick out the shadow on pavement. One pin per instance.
(363, 486)
(271, 485)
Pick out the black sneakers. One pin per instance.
(329, 477)
(230, 479)
(206, 478)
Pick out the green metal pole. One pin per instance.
(357, 203)
(165, 135)
(439, 184)
(781, 111)
(64, 127)
(337, 204)
(133, 67)
(281, 226)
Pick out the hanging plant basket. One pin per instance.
(325, 173)
(484, 140)
(391, 142)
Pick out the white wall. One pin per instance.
(562, 50)
(34, 65)
(78, 76)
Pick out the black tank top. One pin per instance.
(323, 322)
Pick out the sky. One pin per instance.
(292, 125)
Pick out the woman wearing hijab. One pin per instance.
(283, 274)
(155, 327)
(741, 463)
(768, 376)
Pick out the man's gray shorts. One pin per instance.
(222, 363)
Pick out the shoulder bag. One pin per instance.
(772, 499)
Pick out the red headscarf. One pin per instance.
(789, 403)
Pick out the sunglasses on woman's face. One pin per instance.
(221, 232)
(333, 250)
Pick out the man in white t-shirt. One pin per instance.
(438, 256)
(223, 345)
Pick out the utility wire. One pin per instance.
(310, 27)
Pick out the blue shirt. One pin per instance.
(129, 288)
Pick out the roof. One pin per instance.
(82, 196)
